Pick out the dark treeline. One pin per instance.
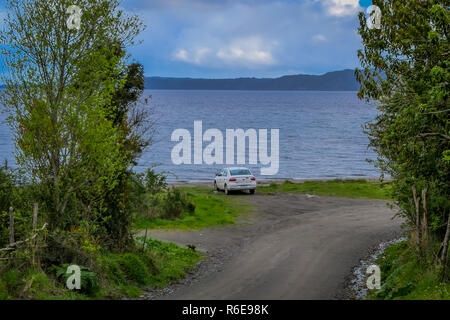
(332, 81)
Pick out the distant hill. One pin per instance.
(332, 81)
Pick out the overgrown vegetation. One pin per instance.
(111, 276)
(79, 123)
(405, 70)
(360, 188)
(105, 273)
(75, 133)
(404, 276)
(199, 208)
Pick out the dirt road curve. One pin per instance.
(294, 247)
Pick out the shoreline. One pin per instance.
(268, 181)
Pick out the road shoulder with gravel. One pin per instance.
(294, 247)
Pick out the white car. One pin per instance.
(239, 178)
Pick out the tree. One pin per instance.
(58, 85)
(405, 69)
(136, 131)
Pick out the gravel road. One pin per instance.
(292, 247)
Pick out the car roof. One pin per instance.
(237, 168)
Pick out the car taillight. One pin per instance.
(232, 179)
(253, 179)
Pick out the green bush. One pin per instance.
(171, 204)
(73, 246)
(27, 284)
(112, 275)
(135, 269)
(17, 194)
(404, 276)
(120, 268)
(38, 285)
(410, 134)
(155, 182)
(89, 281)
(3, 291)
(10, 282)
(110, 269)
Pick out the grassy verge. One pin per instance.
(360, 188)
(113, 275)
(404, 278)
(216, 209)
(211, 209)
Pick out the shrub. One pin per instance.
(75, 246)
(172, 204)
(38, 285)
(109, 267)
(119, 269)
(155, 182)
(411, 131)
(10, 283)
(404, 276)
(89, 281)
(14, 193)
(135, 268)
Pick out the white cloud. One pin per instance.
(250, 51)
(319, 38)
(194, 56)
(341, 8)
(247, 50)
(181, 55)
(248, 37)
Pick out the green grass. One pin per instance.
(33, 284)
(217, 209)
(360, 188)
(172, 262)
(159, 264)
(211, 209)
(403, 277)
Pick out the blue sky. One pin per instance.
(246, 38)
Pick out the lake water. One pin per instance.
(320, 132)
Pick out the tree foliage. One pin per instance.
(58, 85)
(405, 69)
(136, 131)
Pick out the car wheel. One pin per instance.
(215, 186)
(252, 191)
(227, 192)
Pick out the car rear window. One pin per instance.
(240, 172)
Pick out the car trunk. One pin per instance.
(242, 180)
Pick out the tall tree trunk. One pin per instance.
(445, 243)
(417, 205)
(424, 226)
